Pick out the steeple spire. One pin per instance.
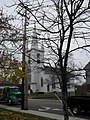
(34, 38)
(34, 30)
(42, 47)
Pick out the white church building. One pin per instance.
(41, 77)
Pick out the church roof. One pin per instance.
(87, 67)
(51, 70)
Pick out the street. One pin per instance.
(46, 105)
(49, 106)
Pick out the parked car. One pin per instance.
(78, 104)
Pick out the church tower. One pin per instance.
(36, 61)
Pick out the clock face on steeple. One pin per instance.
(35, 42)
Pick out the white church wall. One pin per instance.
(42, 86)
(41, 81)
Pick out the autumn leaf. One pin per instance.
(14, 79)
(20, 73)
(1, 77)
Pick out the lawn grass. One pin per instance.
(11, 115)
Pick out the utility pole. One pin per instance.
(24, 104)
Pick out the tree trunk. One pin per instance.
(64, 97)
(65, 109)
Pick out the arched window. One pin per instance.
(41, 82)
(38, 56)
(53, 82)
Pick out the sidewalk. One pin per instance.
(49, 115)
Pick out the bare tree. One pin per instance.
(62, 22)
(12, 41)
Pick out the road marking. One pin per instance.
(41, 109)
(57, 109)
(44, 108)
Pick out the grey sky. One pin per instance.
(4, 4)
(80, 57)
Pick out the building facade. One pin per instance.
(42, 78)
(87, 69)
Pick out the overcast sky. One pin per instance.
(80, 57)
(7, 10)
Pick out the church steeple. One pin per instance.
(34, 43)
(36, 61)
(42, 47)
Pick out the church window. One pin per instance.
(53, 82)
(38, 56)
(41, 82)
(53, 85)
(29, 60)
